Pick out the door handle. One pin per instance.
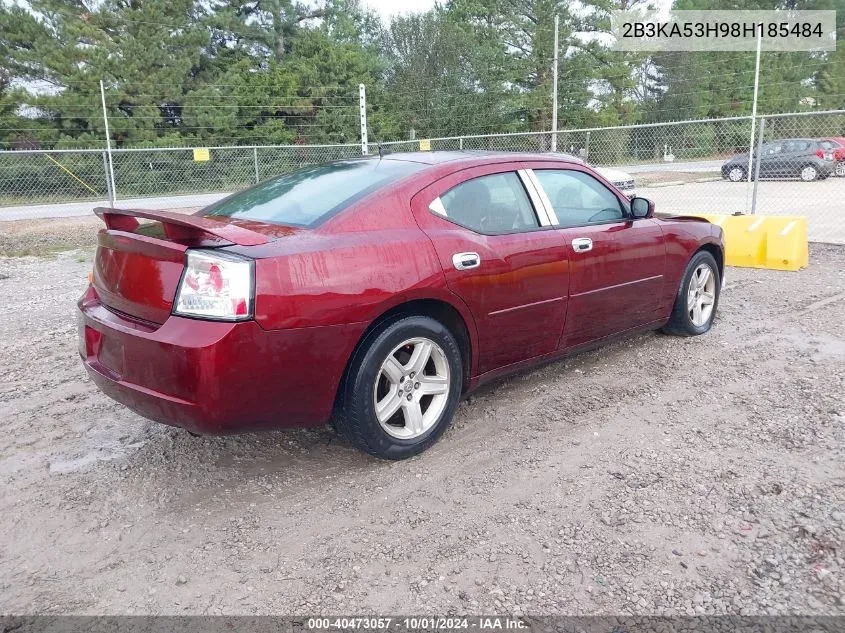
(582, 244)
(464, 261)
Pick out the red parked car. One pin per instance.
(375, 292)
(836, 144)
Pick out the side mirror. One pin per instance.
(641, 207)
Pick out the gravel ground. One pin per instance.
(43, 237)
(658, 475)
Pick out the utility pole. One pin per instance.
(111, 187)
(748, 203)
(757, 166)
(554, 88)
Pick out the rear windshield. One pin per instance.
(312, 194)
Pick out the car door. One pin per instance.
(502, 257)
(799, 153)
(772, 162)
(617, 263)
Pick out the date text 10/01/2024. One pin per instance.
(416, 623)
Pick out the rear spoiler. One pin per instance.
(180, 226)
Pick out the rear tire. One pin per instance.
(402, 388)
(698, 297)
(809, 173)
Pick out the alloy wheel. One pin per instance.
(701, 295)
(809, 173)
(736, 174)
(411, 390)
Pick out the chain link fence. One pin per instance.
(690, 167)
(685, 167)
(38, 177)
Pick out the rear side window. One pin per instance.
(579, 199)
(490, 205)
(312, 194)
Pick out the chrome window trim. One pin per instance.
(540, 207)
(624, 201)
(544, 199)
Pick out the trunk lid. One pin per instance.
(138, 267)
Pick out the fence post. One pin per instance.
(461, 143)
(754, 110)
(255, 161)
(757, 166)
(362, 101)
(587, 147)
(113, 188)
(109, 190)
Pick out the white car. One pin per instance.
(620, 179)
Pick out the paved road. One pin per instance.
(686, 167)
(822, 203)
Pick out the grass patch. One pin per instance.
(47, 251)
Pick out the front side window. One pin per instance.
(313, 193)
(490, 205)
(797, 146)
(578, 198)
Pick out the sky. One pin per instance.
(386, 8)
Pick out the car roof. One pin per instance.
(786, 140)
(467, 158)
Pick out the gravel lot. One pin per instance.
(658, 475)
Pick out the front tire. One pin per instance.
(840, 168)
(736, 174)
(698, 297)
(402, 388)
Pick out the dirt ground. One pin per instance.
(658, 475)
(51, 235)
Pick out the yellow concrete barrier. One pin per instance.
(764, 241)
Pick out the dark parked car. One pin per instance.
(803, 158)
(376, 292)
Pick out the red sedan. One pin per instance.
(836, 144)
(375, 292)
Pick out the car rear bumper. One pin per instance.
(214, 377)
(827, 167)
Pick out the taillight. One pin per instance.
(215, 285)
(820, 153)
